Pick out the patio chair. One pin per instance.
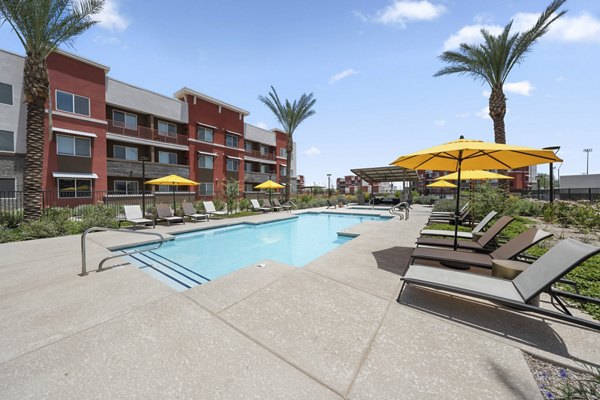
(210, 209)
(485, 244)
(451, 213)
(464, 235)
(449, 219)
(267, 203)
(257, 207)
(190, 211)
(507, 251)
(164, 213)
(134, 215)
(285, 207)
(516, 293)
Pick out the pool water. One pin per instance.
(209, 254)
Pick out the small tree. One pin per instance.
(232, 193)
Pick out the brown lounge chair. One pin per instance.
(165, 214)
(483, 245)
(285, 207)
(508, 251)
(268, 204)
(464, 235)
(517, 293)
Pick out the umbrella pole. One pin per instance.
(174, 205)
(457, 211)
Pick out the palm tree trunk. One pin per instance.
(35, 87)
(288, 170)
(497, 106)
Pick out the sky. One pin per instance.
(369, 64)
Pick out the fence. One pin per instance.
(589, 194)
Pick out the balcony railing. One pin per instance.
(141, 132)
(258, 177)
(258, 154)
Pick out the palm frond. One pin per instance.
(290, 115)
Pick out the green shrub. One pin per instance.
(10, 235)
(98, 215)
(11, 219)
(219, 204)
(245, 204)
(445, 205)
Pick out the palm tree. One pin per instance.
(493, 60)
(41, 26)
(290, 115)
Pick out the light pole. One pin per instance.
(587, 164)
(555, 149)
(328, 185)
(143, 159)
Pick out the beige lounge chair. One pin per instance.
(267, 203)
(210, 209)
(190, 211)
(164, 213)
(257, 207)
(134, 215)
(285, 207)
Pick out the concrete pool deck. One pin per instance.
(330, 330)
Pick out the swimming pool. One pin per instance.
(197, 257)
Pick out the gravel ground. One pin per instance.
(552, 379)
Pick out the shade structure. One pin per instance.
(473, 154)
(442, 184)
(269, 185)
(475, 175)
(172, 180)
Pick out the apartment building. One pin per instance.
(349, 184)
(108, 136)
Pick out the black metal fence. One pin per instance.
(589, 194)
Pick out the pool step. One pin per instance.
(173, 274)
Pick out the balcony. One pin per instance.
(258, 177)
(141, 132)
(258, 154)
(124, 168)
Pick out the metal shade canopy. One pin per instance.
(386, 174)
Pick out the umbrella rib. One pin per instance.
(481, 153)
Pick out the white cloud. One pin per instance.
(110, 18)
(581, 28)
(486, 94)
(439, 122)
(262, 125)
(523, 88)
(400, 12)
(312, 151)
(561, 78)
(484, 113)
(342, 75)
(463, 115)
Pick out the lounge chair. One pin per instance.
(267, 204)
(450, 213)
(483, 245)
(507, 251)
(330, 204)
(164, 213)
(449, 219)
(190, 211)
(285, 207)
(516, 293)
(210, 209)
(257, 207)
(464, 235)
(134, 215)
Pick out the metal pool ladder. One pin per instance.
(98, 229)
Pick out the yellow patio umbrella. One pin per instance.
(473, 154)
(442, 184)
(269, 185)
(474, 175)
(172, 180)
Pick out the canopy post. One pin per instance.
(457, 211)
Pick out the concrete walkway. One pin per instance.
(330, 330)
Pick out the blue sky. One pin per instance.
(370, 64)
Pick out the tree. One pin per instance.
(290, 116)
(493, 60)
(41, 26)
(232, 193)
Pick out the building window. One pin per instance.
(249, 187)
(166, 188)
(74, 188)
(126, 187)
(73, 146)
(248, 166)
(206, 189)
(248, 146)
(283, 152)
(282, 170)
(233, 165)
(72, 103)
(264, 150)
(205, 162)
(167, 128)
(7, 141)
(123, 119)
(265, 169)
(8, 187)
(6, 94)
(231, 141)
(125, 153)
(205, 134)
(164, 157)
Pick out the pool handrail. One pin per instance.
(100, 229)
